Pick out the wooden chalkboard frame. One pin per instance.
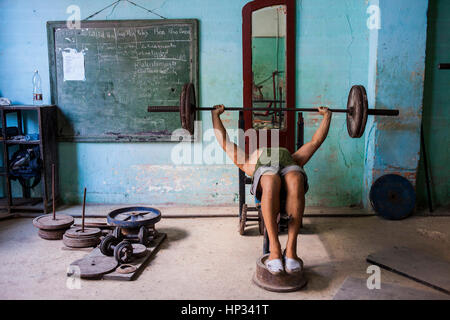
(52, 26)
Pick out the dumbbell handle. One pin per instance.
(374, 112)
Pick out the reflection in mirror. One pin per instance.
(268, 66)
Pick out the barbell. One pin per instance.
(357, 110)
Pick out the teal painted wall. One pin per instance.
(333, 53)
(130, 173)
(436, 110)
(393, 144)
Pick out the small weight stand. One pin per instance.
(132, 225)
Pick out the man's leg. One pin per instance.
(295, 205)
(270, 206)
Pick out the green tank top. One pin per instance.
(283, 160)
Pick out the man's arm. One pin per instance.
(236, 154)
(305, 153)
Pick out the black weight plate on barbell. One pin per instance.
(182, 107)
(392, 197)
(365, 105)
(190, 107)
(355, 107)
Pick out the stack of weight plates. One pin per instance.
(79, 238)
(52, 229)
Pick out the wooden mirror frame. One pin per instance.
(287, 135)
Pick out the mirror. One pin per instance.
(269, 67)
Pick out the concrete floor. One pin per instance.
(206, 258)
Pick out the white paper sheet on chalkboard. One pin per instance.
(73, 65)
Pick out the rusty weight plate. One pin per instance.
(51, 234)
(46, 222)
(139, 250)
(93, 267)
(86, 242)
(126, 268)
(87, 233)
(283, 282)
(358, 108)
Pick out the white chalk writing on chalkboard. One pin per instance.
(126, 68)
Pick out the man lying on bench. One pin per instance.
(273, 170)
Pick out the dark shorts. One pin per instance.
(256, 191)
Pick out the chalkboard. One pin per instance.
(128, 65)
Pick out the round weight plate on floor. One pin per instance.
(134, 217)
(46, 222)
(126, 268)
(93, 267)
(355, 107)
(80, 242)
(392, 197)
(139, 250)
(51, 234)
(243, 220)
(277, 283)
(78, 232)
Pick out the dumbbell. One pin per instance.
(142, 236)
(121, 250)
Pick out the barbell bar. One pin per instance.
(357, 110)
(371, 112)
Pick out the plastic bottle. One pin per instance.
(37, 89)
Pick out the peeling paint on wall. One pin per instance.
(395, 145)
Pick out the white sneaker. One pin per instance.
(292, 265)
(274, 266)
